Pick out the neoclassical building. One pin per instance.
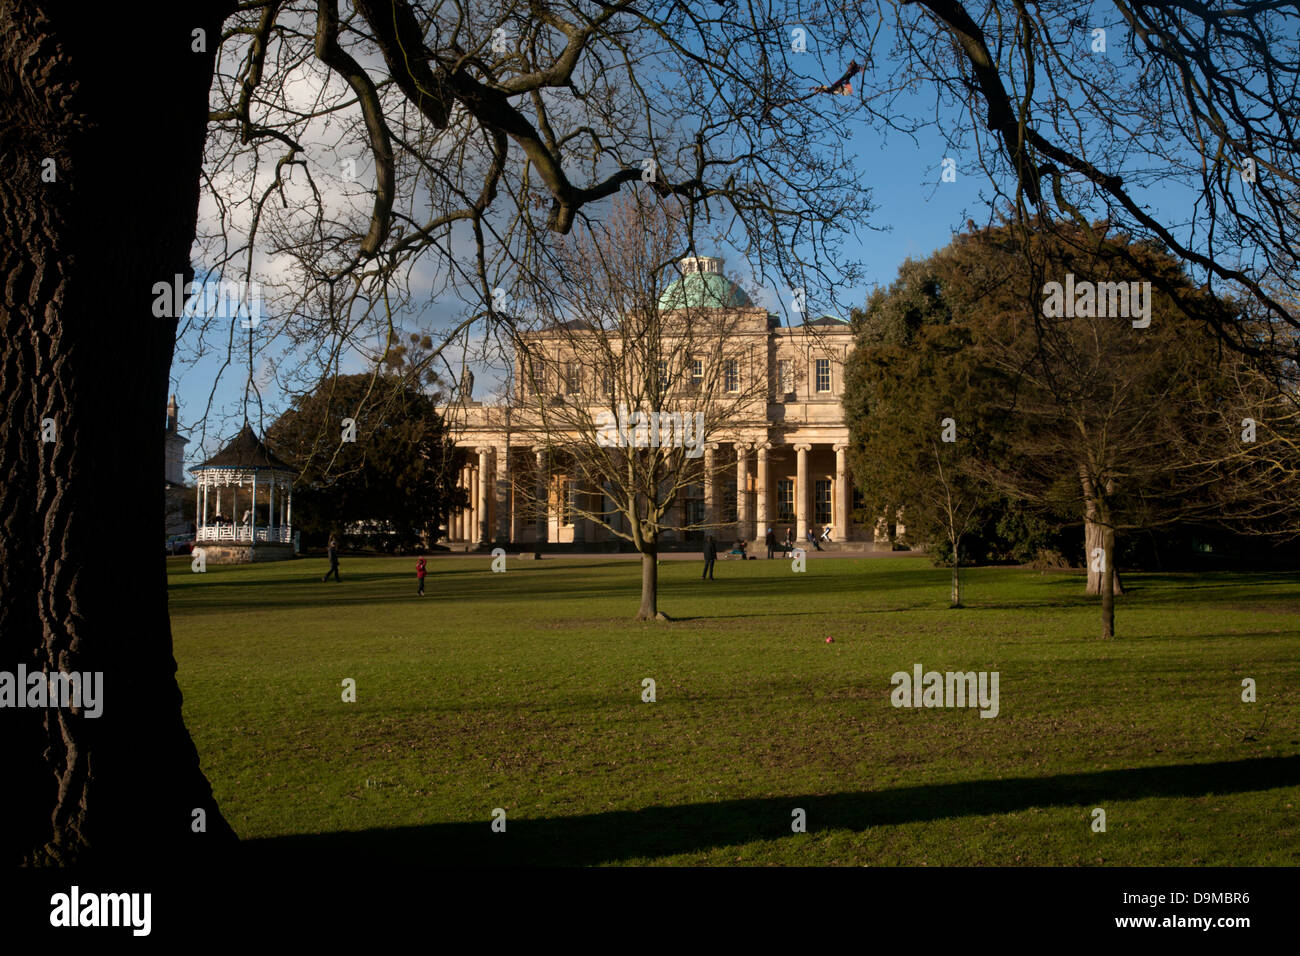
(782, 464)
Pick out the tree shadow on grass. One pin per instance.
(656, 832)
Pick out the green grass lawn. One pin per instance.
(523, 691)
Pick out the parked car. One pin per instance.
(179, 544)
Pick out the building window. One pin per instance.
(785, 500)
(697, 373)
(822, 501)
(729, 514)
(823, 375)
(573, 379)
(731, 375)
(694, 513)
(784, 377)
(607, 383)
(534, 379)
(663, 375)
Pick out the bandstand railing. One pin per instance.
(236, 533)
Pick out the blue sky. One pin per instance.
(916, 214)
(918, 211)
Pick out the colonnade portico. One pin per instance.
(777, 433)
(778, 484)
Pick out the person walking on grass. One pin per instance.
(333, 553)
(419, 574)
(770, 541)
(710, 556)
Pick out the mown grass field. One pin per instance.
(523, 691)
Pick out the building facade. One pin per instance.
(781, 464)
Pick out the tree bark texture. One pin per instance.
(117, 99)
(649, 609)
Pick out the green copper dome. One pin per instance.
(703, 286)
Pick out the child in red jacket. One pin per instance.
(419, 573)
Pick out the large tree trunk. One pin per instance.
(118, 99)
(1094, 535)
(649, 610)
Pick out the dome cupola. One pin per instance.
(703, 286)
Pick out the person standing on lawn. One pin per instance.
(770, 541)
(419, 574)
(710, 556)
(333, 553)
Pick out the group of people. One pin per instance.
(219, 518)
(787, 545)
(740, 547)
(332, 552)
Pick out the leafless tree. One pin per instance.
(1122, 425)
(1074, 108)
(475, 133)
(626, 381)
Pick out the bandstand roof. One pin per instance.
(246, 453)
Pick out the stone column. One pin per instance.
(452, 515)
(843, 494)
(543, 496)
(502, 474)
(467, 517)
(453, 519)
(743, 522)
(463, 516)
(581, 502)
(483, 527)
(761, 494)
(471, 527)
(516, 512)
(801, 494)
(710, 486)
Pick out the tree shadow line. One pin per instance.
(656, 832)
